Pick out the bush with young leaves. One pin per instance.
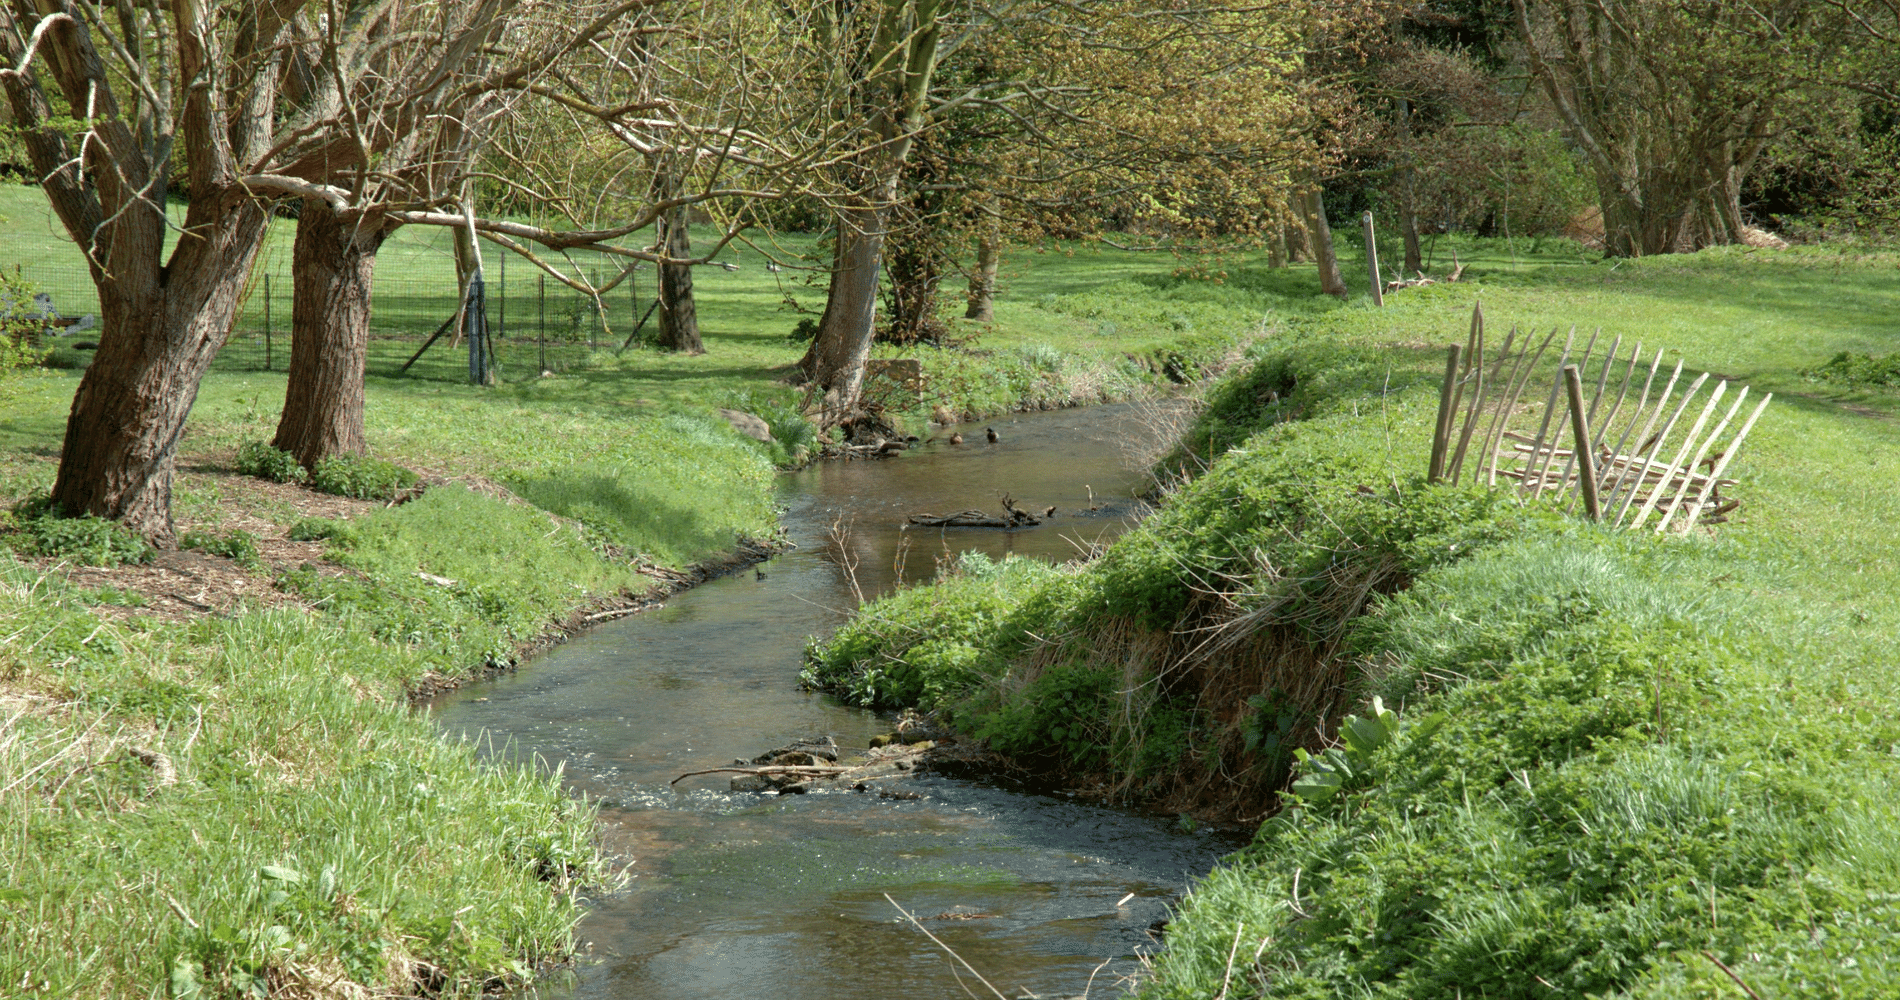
(38, 529)
(256, 458)
(361, 477)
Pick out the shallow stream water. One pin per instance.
(745, 895)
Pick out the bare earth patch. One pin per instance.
(184, 584)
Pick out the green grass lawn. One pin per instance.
(1649, 749)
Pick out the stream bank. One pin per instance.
(743, 894)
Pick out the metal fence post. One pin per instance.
(267, 330)
(472, 323)
(543, 330)
(501, 312)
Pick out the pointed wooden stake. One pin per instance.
(1585, 452)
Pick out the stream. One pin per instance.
(739, 895)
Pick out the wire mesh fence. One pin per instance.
(535, 324)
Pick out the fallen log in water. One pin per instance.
(967, 519)
(817, 771)
(1013, 517)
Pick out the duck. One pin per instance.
(956, 439)
(991, 431)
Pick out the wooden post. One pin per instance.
(1372, 261)
(1441, 433)
(1584, 450)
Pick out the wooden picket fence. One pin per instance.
(1637, 462)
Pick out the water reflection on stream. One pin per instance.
(741, 895)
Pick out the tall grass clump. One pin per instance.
(245, 806)
(1613, 795)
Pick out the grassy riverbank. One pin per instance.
(211, 780)
(1619, 760)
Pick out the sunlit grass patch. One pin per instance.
(248, 800)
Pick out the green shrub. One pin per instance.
(257, 458)
(16, 330)
(361, 477)
(315, 529)
(86, 540)
(1064, 712)
(1848, 368)
(238, 546)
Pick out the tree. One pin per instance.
(191, 79)
(679, 317)
(333, 260)
(1044, 116)
(414, 112)
(881, 87)
(582, 77)
(1672, 103)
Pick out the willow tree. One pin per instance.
(108, 99)
(412, 112)
(879, 57)
(563, 112)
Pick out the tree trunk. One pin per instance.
(160, 330)
(836, 358)
(1408, 197)
(981, 305)
(1319, 236)
(331, 267)
(912, 275)
(679, 317)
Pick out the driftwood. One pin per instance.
(1398, 284)
(1013, 517)
(809, 770)
(966, 519)
(880, 448)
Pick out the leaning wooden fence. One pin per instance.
(1632, 454)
